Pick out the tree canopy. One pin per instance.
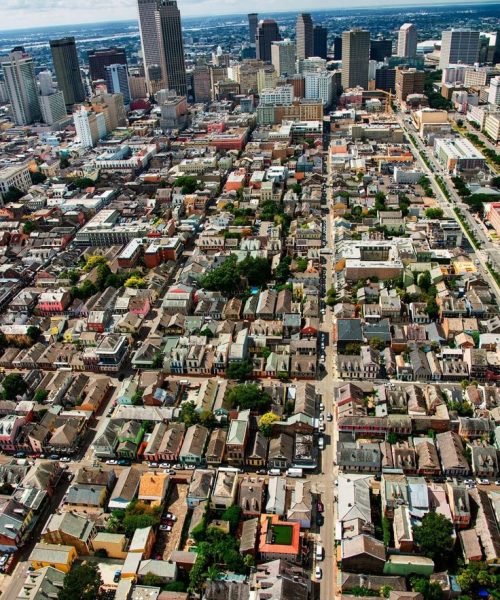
(266, 423)
(240, 370)
(188, 183)
(13, 386)
(83, 582)
(434, 536)
(249, 396)
(434, 213)
(229, 276)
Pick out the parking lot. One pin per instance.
(168, 541)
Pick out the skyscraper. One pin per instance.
(459, 46)
(267, 33)
(337, 48)
(407, 41)
(380, 49)
(355, 57)
(117, 81)
(67, 70)
(149, 39)
(201, 83)
(253, 21)
(51, 100)
(320, 41)
(103, 57)
(283, 57)
(19, 75)
(304, 36)
(168, 23)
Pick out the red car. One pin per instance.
(319, 506)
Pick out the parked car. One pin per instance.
(165, 528)
(20, 454)
(124, 462)
(65, 459)
(320, 520)
(54, 457)
(111, 461)
(484, 481)
(329, 417)
(318, 572)
(154, 465)
(165, 465)
(319, 506)
(117, 576)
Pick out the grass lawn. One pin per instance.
(283, 534)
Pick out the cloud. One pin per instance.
(36, 13)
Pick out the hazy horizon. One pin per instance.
(25, 14)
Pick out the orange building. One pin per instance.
(278, 539)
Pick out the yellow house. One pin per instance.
(113, 543)
(53, 555)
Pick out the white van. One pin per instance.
(274, 472)
(321, 442)
(319, 552)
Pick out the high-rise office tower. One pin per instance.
(46, 83)
(409, 81)
(355, 57)
(283, 57)
(103, 57)
(304, 36)
(385, 79)
(380, 49)
(168, 23)
(337, 48)
(494, 91)
(496, 50)
(51, 100)
(459, 46)
(253, 21)
(67, 70)
(149, 41)
(201, 83)
(407, 41)
(267, 33)
(320, 41)
(19, 76)
(117, 81)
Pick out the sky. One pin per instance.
(19, 14)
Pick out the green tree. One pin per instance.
(301, 264)
(392, 437)
(240, 370)
(207, 419)
(432, 308)
(152, 580)
(434, 537)
(376, 343)
(83, 582)
(233, 516)
(282, 272)
(476, 575)
(157, 360)
(135, 282)
(424, 281)
(266, 423)
(296, 188)
(434, 213)
(430, 591)
(188, 414)
(224, 278)
(84, 291)
(249, 396)
(175, 586)
(64, 163)
(29, 226)
(132, 522)
(207, 332)
(385, 591)
(256, 270)
(83, 182)
(40, 396)
(93, 261)
(188, 183)
(13, 386)
(37, 177)
(386, 531)
(34, 332)
(13, 194)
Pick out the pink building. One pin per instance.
(53, 302)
